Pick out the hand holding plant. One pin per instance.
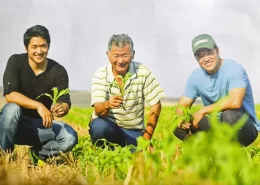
(119, 82)
(115, 102)
(57, 108)
(182, 117)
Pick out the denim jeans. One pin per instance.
(246, 135)
(15, 128)
(101, 128)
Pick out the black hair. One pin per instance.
(36, 31)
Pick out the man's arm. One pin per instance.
(23, 101)
(234, 100)
(102, 109)
(152, 120)
(185, 102)
(153, 94)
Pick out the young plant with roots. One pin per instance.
(56, 95)
(121, 86)
(183, 116)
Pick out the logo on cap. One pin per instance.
(200, 41)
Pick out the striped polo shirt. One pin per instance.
(140, 87)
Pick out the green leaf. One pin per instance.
(55, 94)
(62, 92)
(186, 113)
(119, 76)
(113, 84)
(127, 76)
(45, 94)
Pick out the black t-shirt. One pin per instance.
(19, 77)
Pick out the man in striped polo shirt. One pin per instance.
(118, 93)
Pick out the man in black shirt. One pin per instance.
(26, 120)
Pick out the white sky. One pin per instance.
(162, 31)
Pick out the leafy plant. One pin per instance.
(56, 94)
(184, 117)
(122, 86)
(208, 158)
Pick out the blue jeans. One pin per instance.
(15, 128)
(101, 128)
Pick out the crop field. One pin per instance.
(211, 158)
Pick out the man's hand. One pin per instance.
(45, 115)
(103, 108)
(115, 102)
(59, 109)
(197, 117)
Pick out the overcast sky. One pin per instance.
(162, 31)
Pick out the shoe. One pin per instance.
(34, 157)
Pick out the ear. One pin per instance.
(218, 51)
(107, 54)
(133, 55)
(25, 48)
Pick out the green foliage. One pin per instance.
(184, 117)
(122, 86)
(56, 94)
(212, 157)
(102, 161)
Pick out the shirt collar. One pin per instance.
(110, 76)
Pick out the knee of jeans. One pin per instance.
(70, 138)
(228, 116)
(11, 114)
(11, 110)
(98, 127)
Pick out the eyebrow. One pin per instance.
(40, 45)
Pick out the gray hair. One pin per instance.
(120, 41)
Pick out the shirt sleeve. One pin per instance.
(98, 90)
(190, 90)
(11, 76)
(63, 83)
(153, 92)
(238, 78)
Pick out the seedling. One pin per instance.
(122, 86)
(56, 94)
(185, 117)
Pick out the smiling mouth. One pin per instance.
(208, 64)
(122, 66)
(39, 56)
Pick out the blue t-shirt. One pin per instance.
(211, 88)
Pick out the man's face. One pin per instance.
(120, 59)
(209, 59)
(37, 50)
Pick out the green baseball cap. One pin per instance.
(202, 41)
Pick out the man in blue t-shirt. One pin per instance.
(222, 85)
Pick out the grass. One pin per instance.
(210, 158)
